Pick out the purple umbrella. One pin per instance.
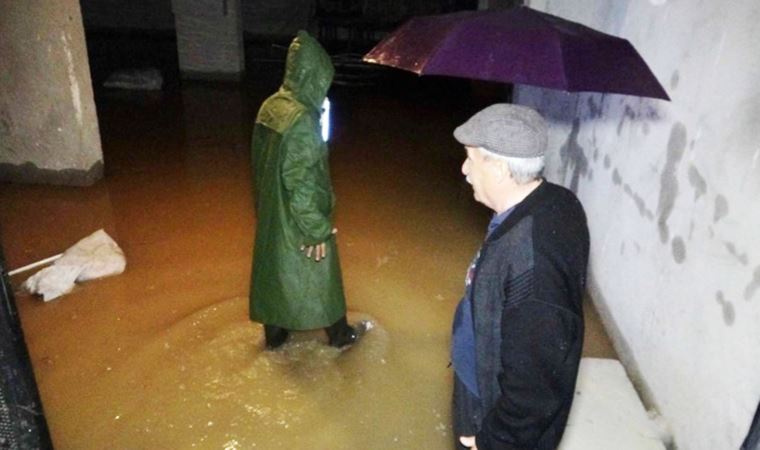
(518, 45)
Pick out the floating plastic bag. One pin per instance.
(95, 256)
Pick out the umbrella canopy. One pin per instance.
(518, 45)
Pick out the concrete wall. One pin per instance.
(671, 193)
(209, 38)
(48, 123)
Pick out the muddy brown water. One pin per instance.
(164, 356)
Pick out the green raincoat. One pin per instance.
(294, 199)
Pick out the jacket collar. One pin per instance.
(521, 210)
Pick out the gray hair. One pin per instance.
(523, 170)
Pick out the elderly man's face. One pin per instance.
(482, 174)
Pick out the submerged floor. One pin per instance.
(164, 357)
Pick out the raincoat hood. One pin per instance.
(308, 71)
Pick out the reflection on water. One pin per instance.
(164, 357)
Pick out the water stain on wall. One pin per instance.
(741, 257)
(647, 112)
(6, 129)
(651, 112)
(668, 179)
(573, 157)
(616, 178)
(678, 249)
(642, 207)
(4, 133)
(6, 123)
(628, 114)
(751, 288)
(729, 314)
(721, 208)
(607, 162)
(747, 117)
(643, 210)
(697, 181)
(674, 79)
(594, 110)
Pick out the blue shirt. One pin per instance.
(463, 329)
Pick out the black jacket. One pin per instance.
(527, 308)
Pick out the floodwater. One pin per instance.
(164, 356)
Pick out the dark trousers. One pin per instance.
(465, 412)
(339, 334)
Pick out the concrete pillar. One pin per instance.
(48, 123)
(209, 38)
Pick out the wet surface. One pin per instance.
(163, 356)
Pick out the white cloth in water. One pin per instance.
(137, 79)
(95, 256)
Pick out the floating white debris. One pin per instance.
(137, 79)
(95, 256)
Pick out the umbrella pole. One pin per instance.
(34, 265)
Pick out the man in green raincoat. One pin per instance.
(296, 282)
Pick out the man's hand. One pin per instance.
(468, 441)
(319, 250)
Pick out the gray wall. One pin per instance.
(209, 38)
(48, 123)
(671, 193)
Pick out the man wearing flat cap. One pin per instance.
(518, 331)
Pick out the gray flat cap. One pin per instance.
(506, 130)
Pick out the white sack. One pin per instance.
(95, 256)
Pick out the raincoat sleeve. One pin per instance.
(306, 180)
(535, 382)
